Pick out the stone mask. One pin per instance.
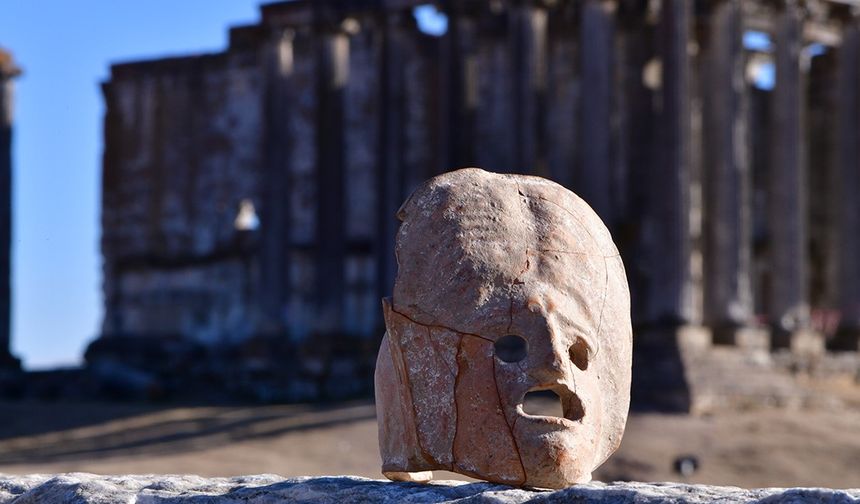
(507, 284)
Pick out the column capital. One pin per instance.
(845, 14)
(8, 68)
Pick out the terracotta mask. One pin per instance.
(507, 284)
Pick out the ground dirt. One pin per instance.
(760, 448)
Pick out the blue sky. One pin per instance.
(65, 48)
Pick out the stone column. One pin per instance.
(824, 185)
(727, 254)
(529, 48)
(670, 292)
(459, 85)
(669, 334)
(275, 229)
(848, 174)
(8, 71)
(332, 74)
(390, 180)
(787, 206)
(594, 177)
(301, 151)
(637, 137)
(562, 97)
(362, 316)
(112, 323)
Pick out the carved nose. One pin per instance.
(554, 365)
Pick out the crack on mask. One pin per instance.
(518, 279)
(436, 351)
(456, 405)
(510, 428)
(424, 453)
(519, 190)
(573, 215)
(462, 333)
(407, 384)
(596, 349)
(391, 354)
(570, 252)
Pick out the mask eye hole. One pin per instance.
(511, 348)
(580, 353)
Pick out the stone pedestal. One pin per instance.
(88, 488)
(801, 342)
(661, 358)
(752, 338)
(846, 340)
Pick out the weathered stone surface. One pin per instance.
(81, 488)
(484, 257)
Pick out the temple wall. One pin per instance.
(183, 153)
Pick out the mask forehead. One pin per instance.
(465, 244)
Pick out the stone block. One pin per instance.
(81, 488)
(807, 343)
(752, 338)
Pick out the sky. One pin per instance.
(65, 49)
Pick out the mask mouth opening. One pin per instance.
(556, 403)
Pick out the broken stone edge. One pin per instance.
(83, 488)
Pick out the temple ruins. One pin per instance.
(251, 193)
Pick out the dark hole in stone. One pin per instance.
(579, 353)
(511, 348)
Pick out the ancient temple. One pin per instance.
(253, 192)
(8, 71)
